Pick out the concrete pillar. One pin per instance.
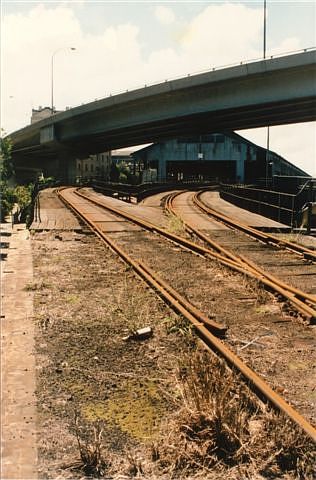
(66, 167)
(72, 171)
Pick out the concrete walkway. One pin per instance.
(18, 403)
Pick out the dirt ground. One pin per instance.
(95, 385)
(86, 369)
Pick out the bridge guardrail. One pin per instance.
(205, 70)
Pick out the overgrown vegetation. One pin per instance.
(92, 453)
(214, 428)
(175, 224)
(220, 428)
(180, 326)
(19, 196)
(6, 172)
(121, 173)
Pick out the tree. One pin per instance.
(6, 172)
(23, 199)
(6, 165)
(21, 195)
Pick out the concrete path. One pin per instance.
(18, 403)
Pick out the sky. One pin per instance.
(124, 45)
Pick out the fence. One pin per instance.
(285, 208)
(139, 192)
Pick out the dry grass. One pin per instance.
(33, 286)
(92, 453)
(219, 428)
(175, 224)
(179, 325)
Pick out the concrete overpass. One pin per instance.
(269, 92)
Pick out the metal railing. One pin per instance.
(139, 192)
(285, 208)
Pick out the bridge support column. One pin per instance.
(67, 167)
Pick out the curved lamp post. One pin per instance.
(52, 74)
(264, 57)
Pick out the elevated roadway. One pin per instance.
(269, 92)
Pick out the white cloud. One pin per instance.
(113, 60)
(287, 45)
(164, 15)
(223, 33)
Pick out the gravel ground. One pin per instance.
(86, 370)
(91, 377)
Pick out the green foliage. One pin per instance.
(23, 199)
(122, 178)
(6, 165)
(7, 199)
(6, 172)
(178, 325)
(46, 181)
(121, 172)
(21, 195)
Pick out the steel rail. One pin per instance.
(166, 291)
(264, 237)
(236, 264)
(191, 246)
(251, 269)
(245, 262)
(263, 390)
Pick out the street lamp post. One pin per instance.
(52, 74)
(264, 28)
(264, 56)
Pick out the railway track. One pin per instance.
(303, 302)
(203, 326)
(266, 238)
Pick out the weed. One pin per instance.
(130, 304)
(135, 465)
(257, 289)
(175, 224)
(181, 326)
(220, 427)
(298, 237)
(178, 325)
(91, 451)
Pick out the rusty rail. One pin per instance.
(254, 380)
(263, 237)
(302, 301)
(231, 261)
(155, 281)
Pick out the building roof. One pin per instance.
(233, 135)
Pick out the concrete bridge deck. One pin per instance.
(267, 92)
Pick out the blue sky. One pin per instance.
(121, 45)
